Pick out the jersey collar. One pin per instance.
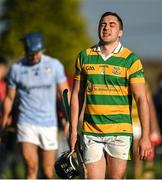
(116, 50)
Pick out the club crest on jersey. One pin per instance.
(116, 70)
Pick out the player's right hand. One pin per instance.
(5, 122)
(73, 140)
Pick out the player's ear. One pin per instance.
(120, 33)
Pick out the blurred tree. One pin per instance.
(59, 22)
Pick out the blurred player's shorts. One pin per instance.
(45, 137)
(136, 130)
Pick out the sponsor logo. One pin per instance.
(90, 87)
(103, 69)
(24, 72)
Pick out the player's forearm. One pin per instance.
(74, 113)
(144, 116)
(7, 106)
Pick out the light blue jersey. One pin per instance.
(36, 85)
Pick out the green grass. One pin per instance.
(20, 170)
(157, 170)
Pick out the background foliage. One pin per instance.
(59, 22)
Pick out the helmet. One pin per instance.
(33, 42)
(67, 165)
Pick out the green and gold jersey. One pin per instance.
(108, 94)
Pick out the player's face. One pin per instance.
(34, 58)
(109, 30)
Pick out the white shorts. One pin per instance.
(94, 147)
(45, 137)
(136, 131)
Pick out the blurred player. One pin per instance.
(36, 78)
(138, 165)
(3, 73)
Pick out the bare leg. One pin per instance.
(30, 155)
(48, 159)
(116, 167)
(97, 169)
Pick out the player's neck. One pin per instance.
(108, 48)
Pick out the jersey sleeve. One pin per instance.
(60, 72)
(78, 67)
(11, 78)
(136, 73)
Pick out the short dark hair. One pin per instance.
(112, 14)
